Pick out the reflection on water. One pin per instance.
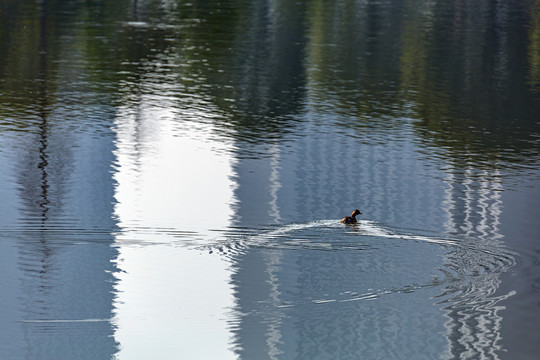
(172, 183)
(303, 284)
(474, 206)
(56, 243)
(172, 172)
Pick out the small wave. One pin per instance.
(66, 320)
(330, 235)
(295, 234)
(370, 228)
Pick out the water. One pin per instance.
(173, 174)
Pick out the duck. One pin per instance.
(351, 219)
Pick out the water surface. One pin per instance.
(173, 174)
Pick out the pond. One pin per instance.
(173, 174)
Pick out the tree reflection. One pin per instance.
(534, 47)
(466, 64)
(457, 69)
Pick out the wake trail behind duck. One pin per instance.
(370, 228)
(362, 228)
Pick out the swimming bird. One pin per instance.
(351, 219)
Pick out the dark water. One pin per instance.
(172, 173)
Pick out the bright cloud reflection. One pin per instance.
(173, 187)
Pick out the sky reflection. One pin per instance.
(173, 186)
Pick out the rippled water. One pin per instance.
(173, 174)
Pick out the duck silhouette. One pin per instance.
(351, 219)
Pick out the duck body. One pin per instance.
(351, 219)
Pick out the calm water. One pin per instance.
(173, 172)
